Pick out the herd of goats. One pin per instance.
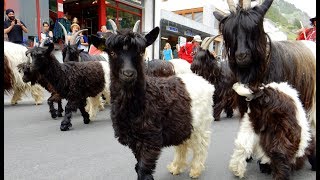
(156, 104)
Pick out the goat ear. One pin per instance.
(263, 8)
(219, 16)
(152, 36)
(50, 48)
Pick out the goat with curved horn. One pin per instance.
(136, 26)
(65, 33)
(73, 39)
(204, 42)
(114, 26)
(232, 6)
(44, 40)
(207, 43)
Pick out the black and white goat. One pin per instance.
(149, 113)
(70, 52)
(15, 54)
(275, 130)
(74, 81)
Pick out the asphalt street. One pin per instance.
(35, 148)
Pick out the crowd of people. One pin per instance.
(14, 29)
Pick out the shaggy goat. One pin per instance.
(15, 54)
(219, 74)
(161, 68)
(70, 52)
(74, 81)
(149, 113)
(255, 59)
(35, 77)
(275, 130)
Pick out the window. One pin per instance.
(123, 15)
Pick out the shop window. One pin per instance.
(129, 8)
(127, 20)
(123, 15)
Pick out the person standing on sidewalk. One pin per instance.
(14, 28)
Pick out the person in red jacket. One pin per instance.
(308, 33)
(188, 50)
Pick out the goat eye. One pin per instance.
(112, 53)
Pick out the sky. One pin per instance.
(308, 6)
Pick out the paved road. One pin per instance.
(35, 148)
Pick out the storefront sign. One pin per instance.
(188, 33)
(172, 29)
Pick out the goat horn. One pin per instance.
(136, 26)
(34, 41)
(75, 35)
(65, 33)
(232, 6)
(246, 4)
(114, 26)
(207, 43)
(44, 40)
(204, 42)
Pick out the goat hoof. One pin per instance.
(86, 120)
(313, 163)
(65, 127)
(216, 119)
(60, 115)
(264, 168)
(148, 177)
(53, 115)
(229, 115)
(249, 159)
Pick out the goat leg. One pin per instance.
(66, 122)
(280, 166)
(52, 110)
(217, 109)
(147, 158)
(60, 109)
(229, 111)
(312, 154)
(83, 111)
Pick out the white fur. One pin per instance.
(16, 55)
(300, 114)
(181, 66)
(201, 93)
(244, 146)
(95, 103)
(247, 142)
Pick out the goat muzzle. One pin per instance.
(128, 75)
